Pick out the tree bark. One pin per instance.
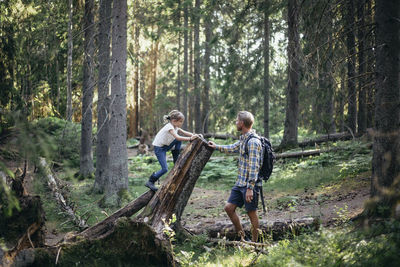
(207, 57)
(86, 157)
(386, 147)
(104, 226)
(292, 95)
(362, 97)
(136, 95)
(351, 62)
(174, 194)
(117, 179)
(179, 78)
(185, 63)
(327, 138)
(197, 91)
(370, 57)
(266, 68)
(69, 63)
(103, 103)
(278, 229)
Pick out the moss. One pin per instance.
(130, 244)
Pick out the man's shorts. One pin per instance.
(238, 198)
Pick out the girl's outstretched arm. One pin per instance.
(189, 137)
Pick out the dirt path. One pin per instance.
(336, 202)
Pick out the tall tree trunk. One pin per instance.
(326, 80)
(103, 108)
(69, 64)
(341, 96)
(136, 92)
(351, 62)
(179, 78)
(292, 94)
(86, 160)
(266, 68)
(362, 97)
(191, 107)
(185, 63)
(370, 67)
(58, 84)
(118, 159)
(207, 57)
(386, 147)
(197, 91)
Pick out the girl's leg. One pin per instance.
(162, 159)
(161, 154)
(175, 152)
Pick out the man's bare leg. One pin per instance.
(255, 225)
(231, 211)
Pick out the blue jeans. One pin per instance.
(161, 154)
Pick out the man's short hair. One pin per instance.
(246, 117)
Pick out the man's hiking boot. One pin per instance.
(242, 237)
(150, 183)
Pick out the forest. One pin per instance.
(84, 89)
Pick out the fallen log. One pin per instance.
(328, 138)
(220, 136)
(119, 240)
(275, 229)
(174, 194)
(299, 154)
(54, 187)
(102, 227)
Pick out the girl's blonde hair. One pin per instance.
(173, 115)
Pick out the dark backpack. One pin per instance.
(267, 156)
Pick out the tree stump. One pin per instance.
(174, 194)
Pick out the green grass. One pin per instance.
(342, 246)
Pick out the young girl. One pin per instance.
(166, 139)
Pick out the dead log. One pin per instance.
(54, 187)
(275, 229)
(174, 194)
(102, 227)
(299, 154)
(220, 136)
(328, 138)
(119, 240)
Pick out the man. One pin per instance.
(245, 190)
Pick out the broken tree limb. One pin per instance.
(174, 194)
(299, 154)
(102, 227)
(220, 136)
(326, 138)
(277, 229)
(53, 185)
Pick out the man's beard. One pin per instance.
(239, 128)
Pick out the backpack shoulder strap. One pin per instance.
(246, 148)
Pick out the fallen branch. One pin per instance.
(53, 185)
(102, 227)
(220, 136)
(328, 137)
(299, 154)
(277, 229)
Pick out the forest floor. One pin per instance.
(330, 203)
